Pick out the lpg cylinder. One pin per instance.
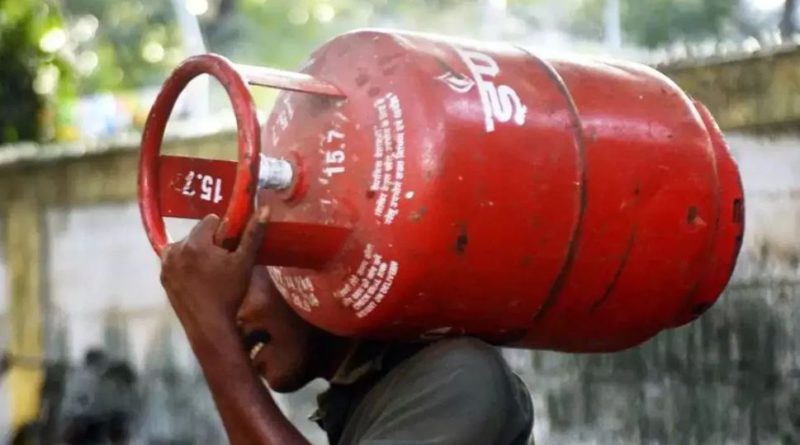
(423, 186)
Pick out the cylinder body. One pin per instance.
(567, 204)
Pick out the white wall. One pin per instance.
(99, 264)
(104, 290)
(770, 169)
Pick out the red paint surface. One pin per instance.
(601, 218)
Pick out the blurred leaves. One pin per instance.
(54, 51)
(57, 51)
(33, 72)
(282, 33)
(655, 23)
(135, 43)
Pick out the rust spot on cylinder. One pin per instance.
(462, 239)
(383, 60)
(390, 70)
(691, 215)
(417, 215)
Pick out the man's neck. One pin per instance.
(335, 352)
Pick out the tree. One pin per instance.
(54, 50)
(135, 43)
(33, 74)
(654, 23)
(283, 33)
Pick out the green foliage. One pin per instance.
(661, 22)
(124, 31)
(284, 32)
(123, 45)
(653, 23)
(33, 75)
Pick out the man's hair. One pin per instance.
(95, 357)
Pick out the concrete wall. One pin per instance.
(771, 174)
(104, 292)
(5, 403)
(754, 91)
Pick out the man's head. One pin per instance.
(284, 349)
(95, 358)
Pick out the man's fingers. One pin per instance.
(253, 234)
(165, 251)
(203, 232)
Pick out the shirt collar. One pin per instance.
(364, 359)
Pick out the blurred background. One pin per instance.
(87, 330)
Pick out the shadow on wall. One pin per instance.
(731, 377)
(105, 400)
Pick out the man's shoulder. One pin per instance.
(454, 389)
(464, 367)
(481, 359)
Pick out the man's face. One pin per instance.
(280, 343)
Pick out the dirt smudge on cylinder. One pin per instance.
(417, 215)
(691, 215)
(462, 239)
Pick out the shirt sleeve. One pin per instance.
(454, 392)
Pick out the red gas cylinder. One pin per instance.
(422, 186)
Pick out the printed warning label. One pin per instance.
(364, 290)
(298, 290)
(389, 169)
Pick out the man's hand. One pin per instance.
(206, 283)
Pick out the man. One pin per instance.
(100, 400)
(451, 392)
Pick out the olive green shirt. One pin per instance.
(451, 392)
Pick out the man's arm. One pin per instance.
(248, 411)
(205, 285)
